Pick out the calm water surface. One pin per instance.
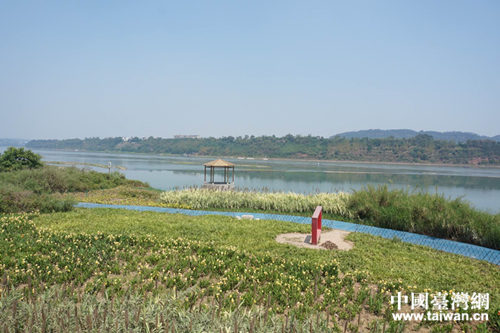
(480, 186)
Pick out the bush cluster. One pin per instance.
(40, 189)
(18, 159)
(16, 199)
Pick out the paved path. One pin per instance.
(464, 249)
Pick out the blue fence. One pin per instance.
(464, 249)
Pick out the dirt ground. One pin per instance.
(332, 239)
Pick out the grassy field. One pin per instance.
(127, 271)
(385, 259)
(419, 212)
(428, 214)
(216, 272)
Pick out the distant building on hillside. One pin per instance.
(181, 136)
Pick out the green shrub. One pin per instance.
(34, 189)
(18, 159)
(15, 199)
(50, 179)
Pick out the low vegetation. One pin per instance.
(103, 269)
(122, 195)
(41, 188)
(64, 309)
(419, 212)
(385, 259)
(425, 213)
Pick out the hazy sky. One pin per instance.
(218, 68)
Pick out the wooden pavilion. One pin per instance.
(228, 181)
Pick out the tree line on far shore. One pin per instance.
(419, 149)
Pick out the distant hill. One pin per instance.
(13, 142)
(407, 133)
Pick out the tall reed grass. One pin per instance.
(333, 203)
(425, 213)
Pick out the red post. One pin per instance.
(316, 225)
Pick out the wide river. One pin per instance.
(480, 186)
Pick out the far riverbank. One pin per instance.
(263, 158)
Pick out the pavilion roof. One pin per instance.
(219, 163)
